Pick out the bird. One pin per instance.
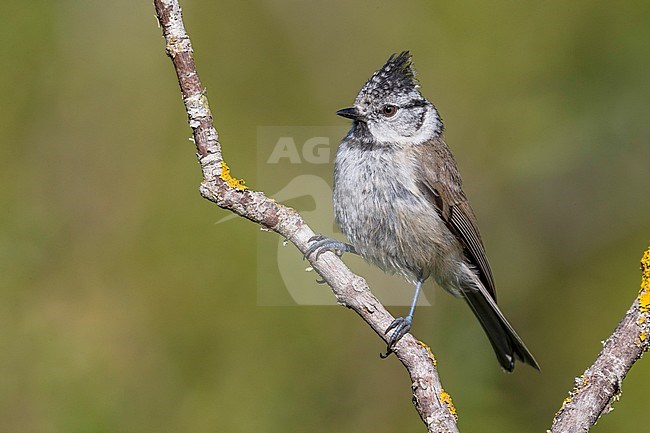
(398, 199)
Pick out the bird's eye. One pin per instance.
(388, 110)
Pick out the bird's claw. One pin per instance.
(322, 244)
(400, 327)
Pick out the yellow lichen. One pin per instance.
(231, 181)
(644, 293)
(429, 353)
(564, 403)
(446, 399)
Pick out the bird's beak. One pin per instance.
(350, 113)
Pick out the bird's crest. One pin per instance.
(396, 75)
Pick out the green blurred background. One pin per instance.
(125, 308)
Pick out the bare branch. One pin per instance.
(595, 390)
(431, 401)
(600, 385)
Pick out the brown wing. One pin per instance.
(441, 179)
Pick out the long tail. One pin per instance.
(507, 345)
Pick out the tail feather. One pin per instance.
(507, 345)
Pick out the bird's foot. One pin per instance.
(322, 244)
(400, 327)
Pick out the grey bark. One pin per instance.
(431, 402)
(595, 390)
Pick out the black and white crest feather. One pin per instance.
(397, 75)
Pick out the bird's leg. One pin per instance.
(323, 243)
(401, 325)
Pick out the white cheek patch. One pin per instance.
(384, 133)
